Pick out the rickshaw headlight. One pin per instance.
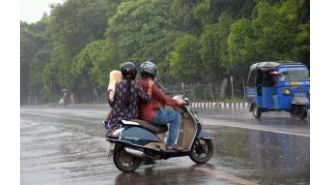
(286, 91)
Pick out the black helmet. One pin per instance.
(128, 70)
(148, 68)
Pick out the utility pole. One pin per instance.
(232, 86)
(243, 83)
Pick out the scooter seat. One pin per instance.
(152, 127)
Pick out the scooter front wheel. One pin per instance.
(201, 151)
(125, 161)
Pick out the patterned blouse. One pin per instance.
(122, 110)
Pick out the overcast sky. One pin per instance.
(32, 10)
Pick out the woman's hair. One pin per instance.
(128, 93)
(128, 70)
(114, 77)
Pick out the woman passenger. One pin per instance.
(127, 96)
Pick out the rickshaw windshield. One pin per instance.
(300, 74)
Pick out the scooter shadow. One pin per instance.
(281, 118)
(168, 175)
(281, 121)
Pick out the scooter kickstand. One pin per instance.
(111, 151)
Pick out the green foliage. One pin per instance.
(241, 41)
(185, 60)
(73, 25)
(50, 80)
(136, 25)
(181, 16)
(214, 49)
(83, 64)
(201, 12)
(275, 32)
(208, 11)
(78, 22)
(92, 65)
(81, 41)
(35, 53)
(106, 59)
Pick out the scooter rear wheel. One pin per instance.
(201, 151)
(125, 161)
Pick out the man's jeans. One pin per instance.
(168, 115)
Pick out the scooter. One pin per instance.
(138, 141)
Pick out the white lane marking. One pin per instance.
(227, 176)
(251, 127)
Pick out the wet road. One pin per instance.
(66, 146)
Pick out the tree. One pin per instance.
(214, 49)
(81, 41)
(274, 33)
(106, 59)
(91, 68)
(185, 60)
(241, 40)
(74, 24)
(208, 11)
(137, 25)
(181, 16)
(78, 22)
(50, 79)
(35, 53)
(25, 55)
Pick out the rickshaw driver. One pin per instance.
(271, 78)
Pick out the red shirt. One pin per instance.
(158, 98)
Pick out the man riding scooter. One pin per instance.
(155, 111)
(143, 140)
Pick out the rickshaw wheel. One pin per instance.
(302, 114)
(299, 112)
(256, 111)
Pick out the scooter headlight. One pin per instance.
(286, 91)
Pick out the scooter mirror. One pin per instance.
(177, 97)
(187, 100)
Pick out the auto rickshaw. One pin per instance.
(278, 86)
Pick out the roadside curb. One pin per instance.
(220, 105)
